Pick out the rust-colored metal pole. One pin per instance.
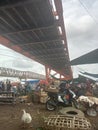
(59, 10)
(46, 70)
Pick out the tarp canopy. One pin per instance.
(90, 74)
(33, 81)
(82, 79)
(89, 58)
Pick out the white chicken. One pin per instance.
(26, 119)
(86, 99)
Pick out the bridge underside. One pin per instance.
(35, 28)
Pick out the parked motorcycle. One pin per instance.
(56, 99)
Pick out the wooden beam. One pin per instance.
(41, 41)
(53, 59)
(16, 41)
(37, 54)
(42, 56)
(30, 29)
(46, 49)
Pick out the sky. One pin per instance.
(11, 59)
(81, 24)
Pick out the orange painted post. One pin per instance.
(46, 70)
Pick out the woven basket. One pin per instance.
(62, 122)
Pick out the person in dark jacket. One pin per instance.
(9, 86)
(63, 89)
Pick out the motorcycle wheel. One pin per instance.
(75, 104)
(50, 106)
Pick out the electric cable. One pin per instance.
(84, 6)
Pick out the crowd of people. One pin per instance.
(17, 88)
(5, 86)
(88, 88)
(80, 88)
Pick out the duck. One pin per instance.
(26, 119)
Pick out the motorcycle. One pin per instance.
(56, 99)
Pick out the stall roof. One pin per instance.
(34, 29)
(90, 74)
(89, 58)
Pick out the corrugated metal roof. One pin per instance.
(31, 25)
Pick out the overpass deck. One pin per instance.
(7, 72)
(35, 28)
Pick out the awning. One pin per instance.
(89, 58)
(90, 74)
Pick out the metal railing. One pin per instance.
(7, 72)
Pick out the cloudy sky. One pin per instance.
(81, 23)
(14, 60)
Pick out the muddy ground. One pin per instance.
(10, 116)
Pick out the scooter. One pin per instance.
(56, 99)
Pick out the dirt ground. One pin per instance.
(10, 116)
